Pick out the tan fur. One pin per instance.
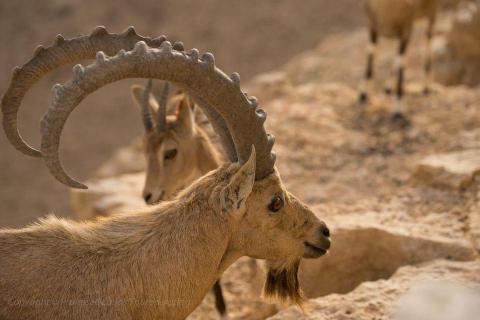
(155, 264)
(395, 18)
(196, 154)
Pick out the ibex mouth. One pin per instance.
(312, 251)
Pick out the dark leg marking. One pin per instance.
(398, 117)
(369, 71)
(400, 72)
(220, 304)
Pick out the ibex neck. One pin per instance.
(188, 247)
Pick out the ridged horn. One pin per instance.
(44, 60)
(162, 109)
(219, 126)
(146, 112)
(209, 86)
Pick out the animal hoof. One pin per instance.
(400, 120)
(388, 90)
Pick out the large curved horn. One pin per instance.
(62, 51)
(198, 77)
(162, 109)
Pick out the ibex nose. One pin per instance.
(325, 231)
(147, 197)
(324, 234)
(152, 198)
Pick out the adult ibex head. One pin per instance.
(177, 150)
(242, 208)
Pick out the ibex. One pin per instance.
(160, 262)
(395, 19)
(177, 150)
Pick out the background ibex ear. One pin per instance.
(191, 104)
(137, 94)
(235, 194)
(186, 117)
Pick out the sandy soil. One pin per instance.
(246, 36)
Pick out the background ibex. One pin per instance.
(395, 19)
(157, 263)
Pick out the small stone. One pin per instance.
(455, 170)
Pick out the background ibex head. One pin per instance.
(245, 197)
(177, 150)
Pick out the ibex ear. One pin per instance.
(186, 117)
(235, 194)
(191, 104)
(137, 95)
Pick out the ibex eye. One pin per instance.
(170, 154)
(276, 204)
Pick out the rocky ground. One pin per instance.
(403, 202)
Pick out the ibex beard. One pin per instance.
(282, 283)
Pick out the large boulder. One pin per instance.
(366, 249)
(440, 300)
(454, 170)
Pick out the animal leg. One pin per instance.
(220, 304)
(400, 69)
(369, 71)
